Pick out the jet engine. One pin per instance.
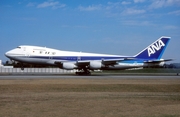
(68, 66)
(161, 64)
(95, 65)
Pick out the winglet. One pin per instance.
(155, 50)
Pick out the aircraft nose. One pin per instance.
(8, 54)
(14, 53)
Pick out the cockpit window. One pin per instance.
(19, 47)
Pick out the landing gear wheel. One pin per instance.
(22, 66)
(84, 72)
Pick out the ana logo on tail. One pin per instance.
(155, 47)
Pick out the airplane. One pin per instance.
(87, 62)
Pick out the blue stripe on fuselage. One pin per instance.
(75, 58)
(86, 58)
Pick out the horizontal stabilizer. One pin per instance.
(158, 61)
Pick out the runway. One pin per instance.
(95, 76)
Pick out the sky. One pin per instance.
(121, 27)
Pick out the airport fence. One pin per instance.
(35, 70)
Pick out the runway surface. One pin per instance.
(99, 76)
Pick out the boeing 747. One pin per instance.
(86, 62)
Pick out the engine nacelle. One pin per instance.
(68, 66)
(95, 65)
(161, 64)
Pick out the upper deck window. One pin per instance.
(19, 47)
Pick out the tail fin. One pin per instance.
(155, 50)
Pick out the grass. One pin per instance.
(91, 88)
(90, 97)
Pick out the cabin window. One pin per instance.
(24, 48)
(53, 53)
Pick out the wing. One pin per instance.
(115, 61)
(91, 63)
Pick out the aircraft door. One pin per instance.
(26, 53)
(50, 57)
(78, 58)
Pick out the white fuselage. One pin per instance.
(43, 55)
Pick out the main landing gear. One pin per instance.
(83, 72)
(22, 66)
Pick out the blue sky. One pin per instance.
(122, 27)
